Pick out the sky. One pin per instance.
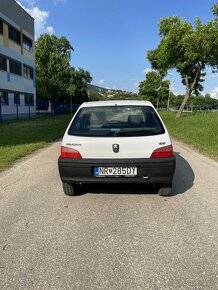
(111, 37)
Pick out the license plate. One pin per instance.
(115, 171)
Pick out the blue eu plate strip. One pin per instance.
(96, 171)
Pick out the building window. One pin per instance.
(27, 43)
(3, 63)
(14, 34)
(28, 72)
(17, 99)
(29, 100)
(15, 67)
(4, 98)
(1, 26)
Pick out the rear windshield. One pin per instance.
(116, 121)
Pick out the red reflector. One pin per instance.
(163, 152)
(70, 153)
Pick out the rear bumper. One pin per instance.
(149, 170)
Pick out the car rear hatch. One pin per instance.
(117, 148)
(116, 132)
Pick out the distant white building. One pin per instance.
(17, 61)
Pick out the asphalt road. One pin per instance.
(114, 237)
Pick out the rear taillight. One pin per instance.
(70, 153)
(163, 152)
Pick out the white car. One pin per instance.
(116, 142)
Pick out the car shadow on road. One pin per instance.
(182, 182)
(184, 175)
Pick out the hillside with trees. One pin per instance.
(97, 93)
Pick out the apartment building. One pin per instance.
(17, 61)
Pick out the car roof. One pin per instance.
(116, 103)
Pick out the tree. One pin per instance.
(53, 71)
(187, 48)
(155, 89)
(214, 10)
(96, 96)
(77, 88)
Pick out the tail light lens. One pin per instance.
(163, 152)
(70, 153)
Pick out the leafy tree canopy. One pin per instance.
(155, 89)
(214, 10)
(188, 48)
(78, 84)
(53, 57)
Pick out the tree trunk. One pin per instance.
(189, 90)
(157, 103)
(185, 100)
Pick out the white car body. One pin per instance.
(118, 147)
(95, 147)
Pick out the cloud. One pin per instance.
(136, 84)
(214, 93)
(40, 17)
(214, 75)
(101, 82)
(174, 91)
(50, 30)
(147, 69)
(30, 3)
(40, 21)
(59, 1)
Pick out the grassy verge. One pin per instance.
(17, 139)
(197, 129)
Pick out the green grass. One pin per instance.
(17, 139)
(197, 129)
